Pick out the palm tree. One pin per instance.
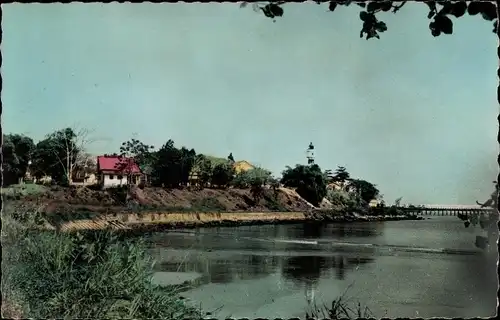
(328, 175)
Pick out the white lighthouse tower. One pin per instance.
(310, 154)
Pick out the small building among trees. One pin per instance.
(84, 172)
(242, 166)
(114, 170)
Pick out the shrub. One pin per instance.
(83, 275)
(339, 309)
(345, 201)
(273, 204)
(22, 214)
(340, 198)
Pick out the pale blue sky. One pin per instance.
(414, 114)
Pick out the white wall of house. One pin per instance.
(111, 180)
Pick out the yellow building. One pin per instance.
(241, 166)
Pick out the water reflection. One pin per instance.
(225, 255)
(310, 269)
(304, 269)
(273, 268)
(355, 231)
(333, 231)
(213, 270)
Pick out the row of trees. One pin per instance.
(173, 167)
(57, 155)
(62, 152)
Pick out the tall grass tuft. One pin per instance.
(83, 275)
(340, 308)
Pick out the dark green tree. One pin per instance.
(141, 153)
(440, 13)
(59, 153)
(341, 175)
(187, 162)
(309, 182)
(222, 175)
(16, 151)
(44, 162)
(135, 152)
(367, 191)
(328, 175)
(167, 166)
(173, 167)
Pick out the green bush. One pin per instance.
(251, 178)
(83, 275)
(340, 198)
(346, 201)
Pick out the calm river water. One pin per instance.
(396, 269)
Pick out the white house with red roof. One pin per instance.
(117, 171)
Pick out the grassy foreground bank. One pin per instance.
(90, 274)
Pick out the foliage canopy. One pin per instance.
(440, 13)
(309, 181)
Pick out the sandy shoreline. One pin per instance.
(151, 222)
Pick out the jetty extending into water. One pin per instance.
(447, 210)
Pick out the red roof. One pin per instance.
(117, 164)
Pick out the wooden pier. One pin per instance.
(442, 210)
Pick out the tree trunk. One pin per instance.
(70, 176)
(68, 166)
